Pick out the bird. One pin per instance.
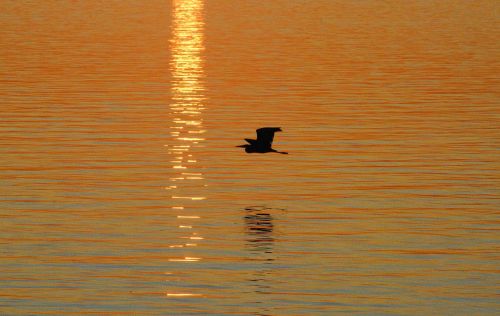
(265, 136)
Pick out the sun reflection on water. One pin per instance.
(186, 130)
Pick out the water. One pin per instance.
(122, 191)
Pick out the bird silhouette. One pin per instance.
(264, 141)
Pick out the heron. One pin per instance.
(262, 144)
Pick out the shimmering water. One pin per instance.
(122, 191)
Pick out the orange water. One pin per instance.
(122, 192)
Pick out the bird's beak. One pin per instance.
(242, 146)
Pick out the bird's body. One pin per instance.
(263, 142)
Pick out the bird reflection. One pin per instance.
(259, 228)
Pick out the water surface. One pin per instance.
(122, 192)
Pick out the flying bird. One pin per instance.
(264, 141)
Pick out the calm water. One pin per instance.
(122, 191)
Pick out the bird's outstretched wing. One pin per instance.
(251, 141)
(265, 135)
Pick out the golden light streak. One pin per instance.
(183, 294)
(188, 97)
(185, 259)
